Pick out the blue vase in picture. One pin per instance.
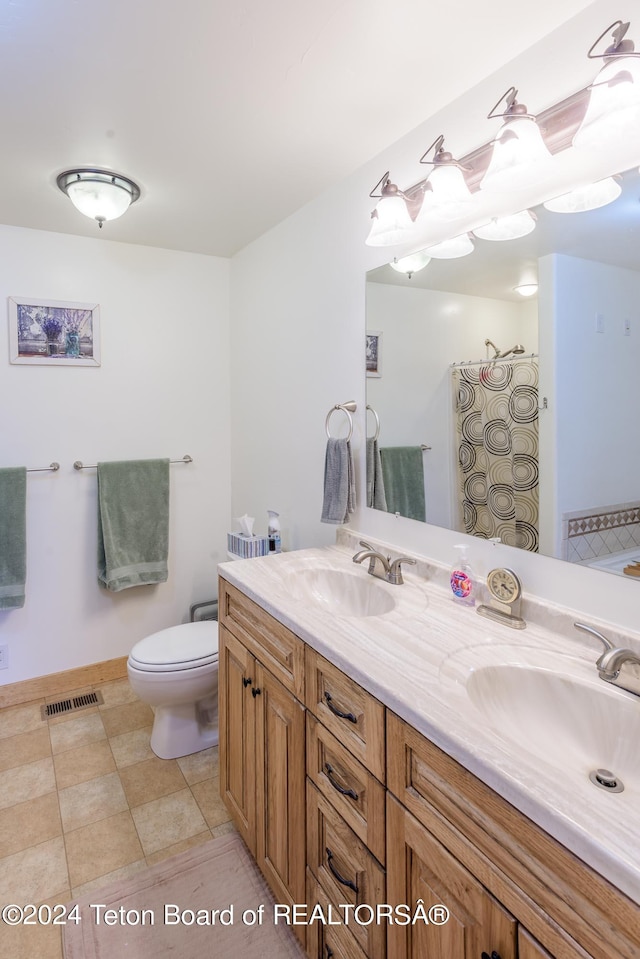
(73, 344)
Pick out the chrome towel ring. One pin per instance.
(347, 408)
(377, 419)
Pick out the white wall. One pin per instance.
(162, 390)
(298, 317)
(423, 333)
(597, 395)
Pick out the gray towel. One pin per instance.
(133, 523)
(375, 480)
(403, 471)
(13, 536)
(339, 482)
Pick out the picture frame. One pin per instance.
(53, 332)
(372, 355)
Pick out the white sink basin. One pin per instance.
(573, 722)
(342, 593)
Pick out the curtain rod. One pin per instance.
(495, 359)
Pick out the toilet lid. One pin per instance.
(179, 647)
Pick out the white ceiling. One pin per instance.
(231, 115)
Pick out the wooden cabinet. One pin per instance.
(422, 869)
(262, 754)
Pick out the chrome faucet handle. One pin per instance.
(395, 570)
(594, 632)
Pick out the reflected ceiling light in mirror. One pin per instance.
(614, 104)
(507, 227)
(584, 198)
(526, 289)
(446, 194)
(411, 264)
(390, 221)
(519, 157)
(450, 249)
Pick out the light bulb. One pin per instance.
(507, 227)
(614, 105)
(526, 289)
(583, 198)
(391, 223)
(450, 249)
(519, 158)
(411, 264)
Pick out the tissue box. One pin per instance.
(247, 546)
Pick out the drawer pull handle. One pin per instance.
(328, 768)
(494, 955)
(255, 691)
(337, 712)
(336, 874)
(246, 681)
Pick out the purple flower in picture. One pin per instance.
(51, 328)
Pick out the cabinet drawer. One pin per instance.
(328, 941)
(350, 788)
(280, 650)
(344, 868)
(348, 710)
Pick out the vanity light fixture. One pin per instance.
(526, 289)
(446, 194)
(614, 103)
(584, 198)
(450, 249)
(509, 227)
(519, 156)
(410, 264)
(98, 194)
(390, 221)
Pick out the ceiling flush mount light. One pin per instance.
(507, 227)
(411, 264)
(446, 194)
(583, 198)
(614, 104)
(520, 156)
(98, 194)
(526, 289)
(450, 249)
(391, 223)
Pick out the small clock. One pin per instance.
(505, 592)
(504, 585)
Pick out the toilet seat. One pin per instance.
(183, 647)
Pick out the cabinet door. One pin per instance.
(529, 948)
(280, 788)
(236, 679)
(419, 867)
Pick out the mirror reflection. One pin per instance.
(512, 414)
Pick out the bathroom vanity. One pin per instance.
(358, 771)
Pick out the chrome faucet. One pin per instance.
(612, 660)
(381, 566)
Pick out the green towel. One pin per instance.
(403, 473)
(13, 536)
(133, 523)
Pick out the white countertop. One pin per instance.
(415, 658)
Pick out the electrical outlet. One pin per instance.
(4, 657)
(627, 326)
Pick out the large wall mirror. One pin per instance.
(539, 447)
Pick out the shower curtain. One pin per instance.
(497, 442)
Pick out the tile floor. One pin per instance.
(84, 802)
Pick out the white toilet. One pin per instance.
(176, 672)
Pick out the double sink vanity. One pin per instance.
(381, 744)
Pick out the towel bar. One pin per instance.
(45, 469)
(347, 408)
(377, 419)
(79, 465)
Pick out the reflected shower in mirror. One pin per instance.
(513, 414)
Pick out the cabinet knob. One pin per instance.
(329, 951)
(494, 955)
(255, 691)
(246, 681)
(338, 712)
(334, 872)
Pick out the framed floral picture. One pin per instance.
(54, 332)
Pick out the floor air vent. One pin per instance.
(71, 704)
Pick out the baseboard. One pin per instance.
(55, 683)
